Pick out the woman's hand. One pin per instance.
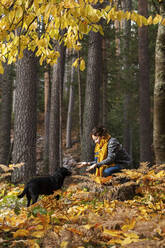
(93, 166)
(82, 164)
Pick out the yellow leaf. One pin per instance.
(83, 27)
(11, 16)
(75, 64)
(97, 179)
(38, 234)
(19, 12)
(82, 65)
(144, 20)
(1, 68)
(112, 233)
(160, 174)
(157, 19)
(163, 22)
(64, 244)
(88, 226)
(149, 20)
(131, 235)
(120, 15)
(130, 226)
(128, 241)
(32, 244)
(128, 15)
(101, 30)
(21, 233)
(114, 241)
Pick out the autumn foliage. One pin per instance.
(39, 24)
(87, 213)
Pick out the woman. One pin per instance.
(110, 156)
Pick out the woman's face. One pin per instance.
(96, 139)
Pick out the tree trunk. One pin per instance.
(159, 94)
(24, 149)
(47, 94)
(127, 142)
(91, 108)
(80, 102)
(70, 108)
(144, 88)
(5, 114)
(104, 84)
(55, 134)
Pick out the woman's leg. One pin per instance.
(109, 171)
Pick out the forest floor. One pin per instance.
(125, 210)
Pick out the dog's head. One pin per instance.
(64, 171)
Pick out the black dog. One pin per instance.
(44, 185)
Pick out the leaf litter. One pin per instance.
(126, 210)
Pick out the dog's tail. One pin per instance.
(23, 193)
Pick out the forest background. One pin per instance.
(110, 72)
(122, 87)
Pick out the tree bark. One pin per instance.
(127, 137)
(70, 108)
(5, 114)
(144, 88)
(91, 108)
(47, 94)
(55, 134)
(159, 93)
(24, 149)
(104, 84)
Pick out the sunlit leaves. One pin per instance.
(86, 216)
(1, 68)
(42, 23)
(79, 62)
(21, 233)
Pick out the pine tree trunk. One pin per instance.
(104, 84)
(144, 88)
(24, 149)
(5, 114)
(127, 142)
(80, 102)
(159, 93)
(91, 108)
(47, 94)
(55, 134)
(70, 108)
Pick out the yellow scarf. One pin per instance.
(101, 152)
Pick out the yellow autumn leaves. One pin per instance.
(79, 62)
(42, 23)
(86, 216)
(140, 20)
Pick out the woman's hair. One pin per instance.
(99, 131)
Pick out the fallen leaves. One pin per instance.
(83, 217)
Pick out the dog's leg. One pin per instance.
(34, 198)
(28, 196)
